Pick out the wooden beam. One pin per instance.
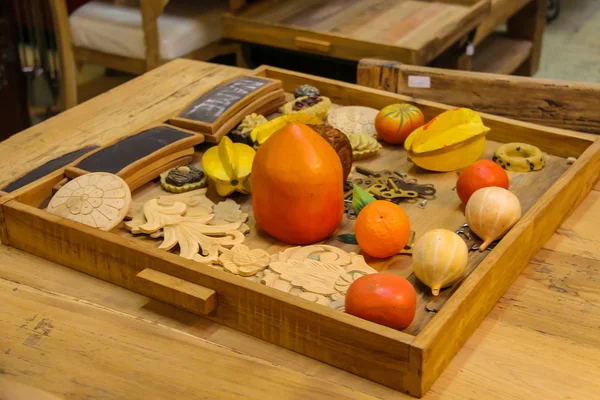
(559, 104)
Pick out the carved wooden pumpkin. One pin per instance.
(339, 142)
(297, 186)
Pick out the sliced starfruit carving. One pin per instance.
(448, 128)
(228, 166)
(264, 131)
(451, 141)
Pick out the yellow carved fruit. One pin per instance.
(264, 131)
(439, 259)
(453, 140)
(228, 166)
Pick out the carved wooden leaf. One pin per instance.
(228, 211)
(312, 276)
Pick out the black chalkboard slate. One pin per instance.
(210, 106)
(48, 168)
(116, 157)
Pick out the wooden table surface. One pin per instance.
(78, 337)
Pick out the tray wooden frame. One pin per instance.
(396, 359)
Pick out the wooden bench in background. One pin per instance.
(417, 32)
(559, 104)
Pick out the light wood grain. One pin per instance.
(104, 119)
(344, 341)
(560, 104)
(399, 364)
(461, 383)
(10, 390)
(408, 30)
(526, 335)
(534, 229)
(180, 293)
(108, 351)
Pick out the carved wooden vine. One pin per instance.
(190, 220)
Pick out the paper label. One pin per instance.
(470, 49)
(419, 82)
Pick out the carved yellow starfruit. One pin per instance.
(452, 140)
(264, 131)
(228, 166)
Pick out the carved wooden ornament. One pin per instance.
(100, 200)
(354, 119)
(190, 223)
(319, 273)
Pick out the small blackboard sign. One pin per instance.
(48, 168)
(209, 107)
(116, 157)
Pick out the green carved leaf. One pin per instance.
(360, 198)
(348, 238)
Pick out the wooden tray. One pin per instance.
(409, 361)
(411, 31)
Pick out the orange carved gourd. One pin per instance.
(297, 186)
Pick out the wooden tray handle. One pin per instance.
(304, 43)
(178, 292)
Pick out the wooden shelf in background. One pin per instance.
(501, 55)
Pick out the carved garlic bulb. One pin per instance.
(439, 259)
(491, 212)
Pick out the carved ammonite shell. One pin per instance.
(354, 119)
(99, 200)
(339, 142)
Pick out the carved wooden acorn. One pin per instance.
(339, 142)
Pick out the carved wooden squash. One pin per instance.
(297, 186)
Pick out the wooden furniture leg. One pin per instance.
(151, 10)
(529, 24)
(560, 104)
(68, 82)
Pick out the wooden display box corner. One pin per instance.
(407, 362)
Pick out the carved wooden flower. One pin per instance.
(99, 199)
(240, 260)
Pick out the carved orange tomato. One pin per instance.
(384, 298)
(480, 174)
(395, 122)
